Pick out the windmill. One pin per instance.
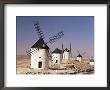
(91, 61)
(66, 53)
(40, 52)
(79, 56)
(56, 56)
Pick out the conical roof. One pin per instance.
(91, 60)
(67, 50)
(40, 44)
(79, 55)
(57, 51)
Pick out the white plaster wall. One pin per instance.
(91, 63)
(43, 54)
(79, 58)
(66, 55)
(56, 56)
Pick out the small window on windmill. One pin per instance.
(39, 57)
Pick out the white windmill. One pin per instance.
(91, 61)
(79, 56)
(66, 53)
(56, 56)
(39, 59)
(39, 52)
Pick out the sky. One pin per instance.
(79, 30)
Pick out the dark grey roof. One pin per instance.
(67, 50)
(40, 44)
(79, 55)
(57, 51)
(92, 60)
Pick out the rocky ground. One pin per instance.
(71, 67)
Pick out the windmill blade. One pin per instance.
(49, 53)
(83, 53)
(30, 52)
(78, 52)
(55, 37)
(39, 30)
(34, 50)
(72, 54)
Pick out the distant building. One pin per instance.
(91, 62)
(57, 56)
(39, 55)
(79, 57)
(66, 54)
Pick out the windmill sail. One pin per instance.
(29, 52)
(55, 37)
(49, 53)
(41, 42)
(78, 52)
(39, 31)
(83, 53)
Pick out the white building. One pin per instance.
(39, 55)
(56, 56)
(79, 57)
(91, 62)
(66, 54)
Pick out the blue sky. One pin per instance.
(79, 30)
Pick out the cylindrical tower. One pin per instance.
(66, 54)
(79, 57)
(39, 58)
(56, 56)
(39, 55)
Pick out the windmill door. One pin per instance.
(56, 61)
(39, 64)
